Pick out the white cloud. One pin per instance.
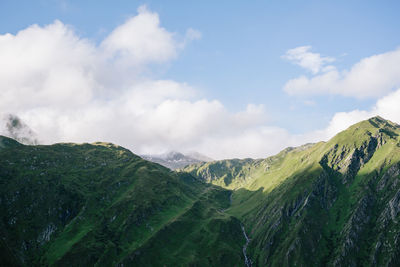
(192, 34)
(313, 62)
(370, 77)
(340, 122)
(309, 103)
(69, 89)
(387, 107)
(255, 142)
(42, 66)
(141, 40)
(13, 127)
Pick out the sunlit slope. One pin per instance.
(333, 203)
(99, 204)
(243, 173)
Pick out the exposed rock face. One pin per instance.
(351, 234)
(347, 160)
(339, 206)
(386, 181)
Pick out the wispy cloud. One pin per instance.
(302, 56)
(370, 77)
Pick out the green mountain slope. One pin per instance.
(335, 203)
(99, 204)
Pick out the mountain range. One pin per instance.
(334, 203)
(176, 160)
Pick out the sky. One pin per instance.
(223, 78)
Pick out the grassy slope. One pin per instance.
(97, 204)
(320, 203)
(333, 203)
(204, 235)
(225, 173)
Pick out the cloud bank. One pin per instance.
(69, 89)
(387, 107)
(373, 76)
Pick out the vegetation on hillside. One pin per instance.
(99, 204)
(334, 203)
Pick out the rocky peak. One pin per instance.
(349, 150)
(174, 156)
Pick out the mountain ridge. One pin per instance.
(176, 160)
(86, 204)
(338, 184)
(334, 203)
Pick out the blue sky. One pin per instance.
(239, 58)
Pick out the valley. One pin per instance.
(334, 203)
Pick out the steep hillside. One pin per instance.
(335, 203)
(99, 204)
(238, 173)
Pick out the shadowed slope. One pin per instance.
(333, 203)
(88, 204)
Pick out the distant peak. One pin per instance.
(199, 156)
(173, 153)
(175, 160)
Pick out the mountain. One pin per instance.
(175, 160)
(334, 203)
(99, 204)
(235, 173)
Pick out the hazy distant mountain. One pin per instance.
(175, 160)
(12, 126)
